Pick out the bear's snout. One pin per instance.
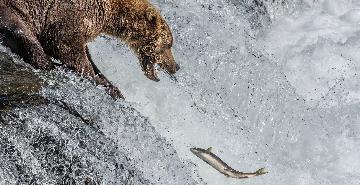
(170, 67)
(169, 63)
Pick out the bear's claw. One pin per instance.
(114, 92)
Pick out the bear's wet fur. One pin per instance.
(40, 29)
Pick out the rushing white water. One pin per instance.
(286, 99)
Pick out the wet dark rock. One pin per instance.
(16, 78)
(33, 154)
(19, 85)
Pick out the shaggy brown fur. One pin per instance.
(38, 29)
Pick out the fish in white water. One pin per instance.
(221, 166)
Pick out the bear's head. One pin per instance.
(157, 51)
(151, 39)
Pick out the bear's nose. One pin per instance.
(177, 67)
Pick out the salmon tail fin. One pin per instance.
(261, 171)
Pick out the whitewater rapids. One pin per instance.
(285, 97)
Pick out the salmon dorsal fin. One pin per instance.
(209, 150)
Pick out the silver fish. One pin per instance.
(221, 166)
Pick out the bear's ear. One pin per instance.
(151, 16)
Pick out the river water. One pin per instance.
(284, 96)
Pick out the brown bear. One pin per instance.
(40, 29)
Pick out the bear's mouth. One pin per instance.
(151, 72)
(153, 68)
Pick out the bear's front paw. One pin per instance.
(43, 62)
(114, 92)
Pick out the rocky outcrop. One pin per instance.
(56, 128)
(32, 153)
(19, 85)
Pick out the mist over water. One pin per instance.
(284, 96)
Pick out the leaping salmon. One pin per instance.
(221, 166)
